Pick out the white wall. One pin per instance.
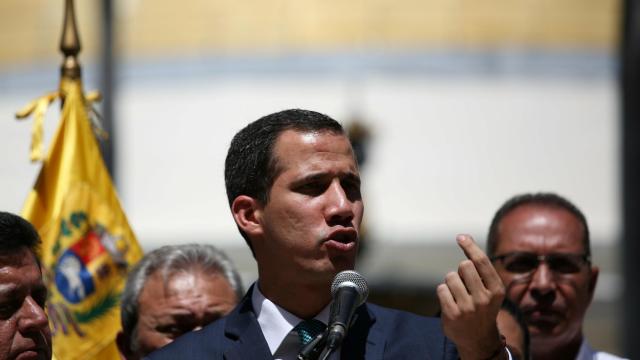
(446, 150)
(445, 153)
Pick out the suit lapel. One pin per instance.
(244, 333)
(363, 339)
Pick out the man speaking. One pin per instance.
(294, 191)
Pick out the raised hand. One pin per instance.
(470, 300)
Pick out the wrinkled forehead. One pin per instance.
(19, 257)
(168, 277)
(540, 228)
(19, 269)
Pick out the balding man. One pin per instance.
(539, 244)
(174, 290)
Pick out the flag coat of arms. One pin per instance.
(87, 243)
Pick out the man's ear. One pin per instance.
(124, 346)
(247, 212)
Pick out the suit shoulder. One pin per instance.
(407, 335)
(200, 344)
(404, 318)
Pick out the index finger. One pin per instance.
(486, 270)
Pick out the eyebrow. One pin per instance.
(324, 175)
(353, 177)
(188, 317)
(6, 289)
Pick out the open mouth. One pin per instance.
(344, 237)
(343, 240)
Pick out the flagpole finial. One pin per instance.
(70, 43)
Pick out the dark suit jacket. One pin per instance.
(377, 333)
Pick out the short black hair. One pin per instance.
(16, 232)
(543, 199)
(250, 167)
(510, 307)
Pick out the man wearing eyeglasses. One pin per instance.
(539, 244)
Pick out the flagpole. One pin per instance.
(70, 44)
(107, 86)
(87, 244)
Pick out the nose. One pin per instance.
(339, 209)
(32, 316)
(542, 282)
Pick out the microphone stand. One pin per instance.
(326, 352)
(349, 290)
(333, 341)
(312, 350)
(318, 348)
(324, 344)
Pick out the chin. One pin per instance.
(343, 262)
(549, 337)
(327, 271)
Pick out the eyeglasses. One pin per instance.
(526, 262)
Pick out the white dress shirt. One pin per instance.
(277, 325)
(588, 353)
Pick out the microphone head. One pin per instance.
(352, 279)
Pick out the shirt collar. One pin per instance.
(276, 323)
(586, 352)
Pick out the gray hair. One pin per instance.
(168, 260)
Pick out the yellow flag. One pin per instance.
(87, 243)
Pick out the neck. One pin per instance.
(304, 300)
(543, 350)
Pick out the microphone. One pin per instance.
(349, 290)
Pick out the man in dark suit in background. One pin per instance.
(294, 191)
